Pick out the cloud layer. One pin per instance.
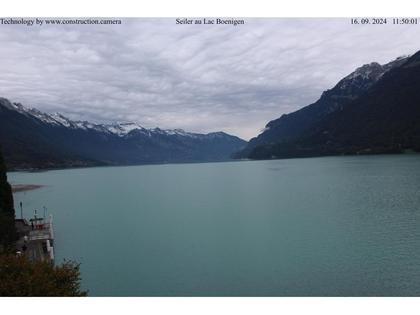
(200, 78)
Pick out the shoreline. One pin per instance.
(41, 170)
(25, 187)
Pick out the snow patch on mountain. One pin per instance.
(370, 73)
(120, 129)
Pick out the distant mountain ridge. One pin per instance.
(34, 139)
(295, 134)
(119, 129)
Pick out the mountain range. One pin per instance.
(31, 139)
(375, 109)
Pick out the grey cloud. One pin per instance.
(200, 78)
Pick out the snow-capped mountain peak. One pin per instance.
(120, 129)
(55, 119)
(370, 73)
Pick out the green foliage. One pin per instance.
(8, 233)
(18, 275)
(21, 277)
(6, 197)
(7, 212)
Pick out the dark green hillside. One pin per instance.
(384, 119)
(290, 127)
(7, 211)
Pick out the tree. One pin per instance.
(18, 275)
(21, 277)
(8, 233)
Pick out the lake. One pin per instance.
(332, 226)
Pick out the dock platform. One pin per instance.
(36, 239)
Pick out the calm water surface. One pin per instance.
(335, 226)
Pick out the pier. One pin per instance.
(36, 238)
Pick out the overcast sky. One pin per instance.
(200, 78)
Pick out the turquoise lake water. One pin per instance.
(333, 226)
